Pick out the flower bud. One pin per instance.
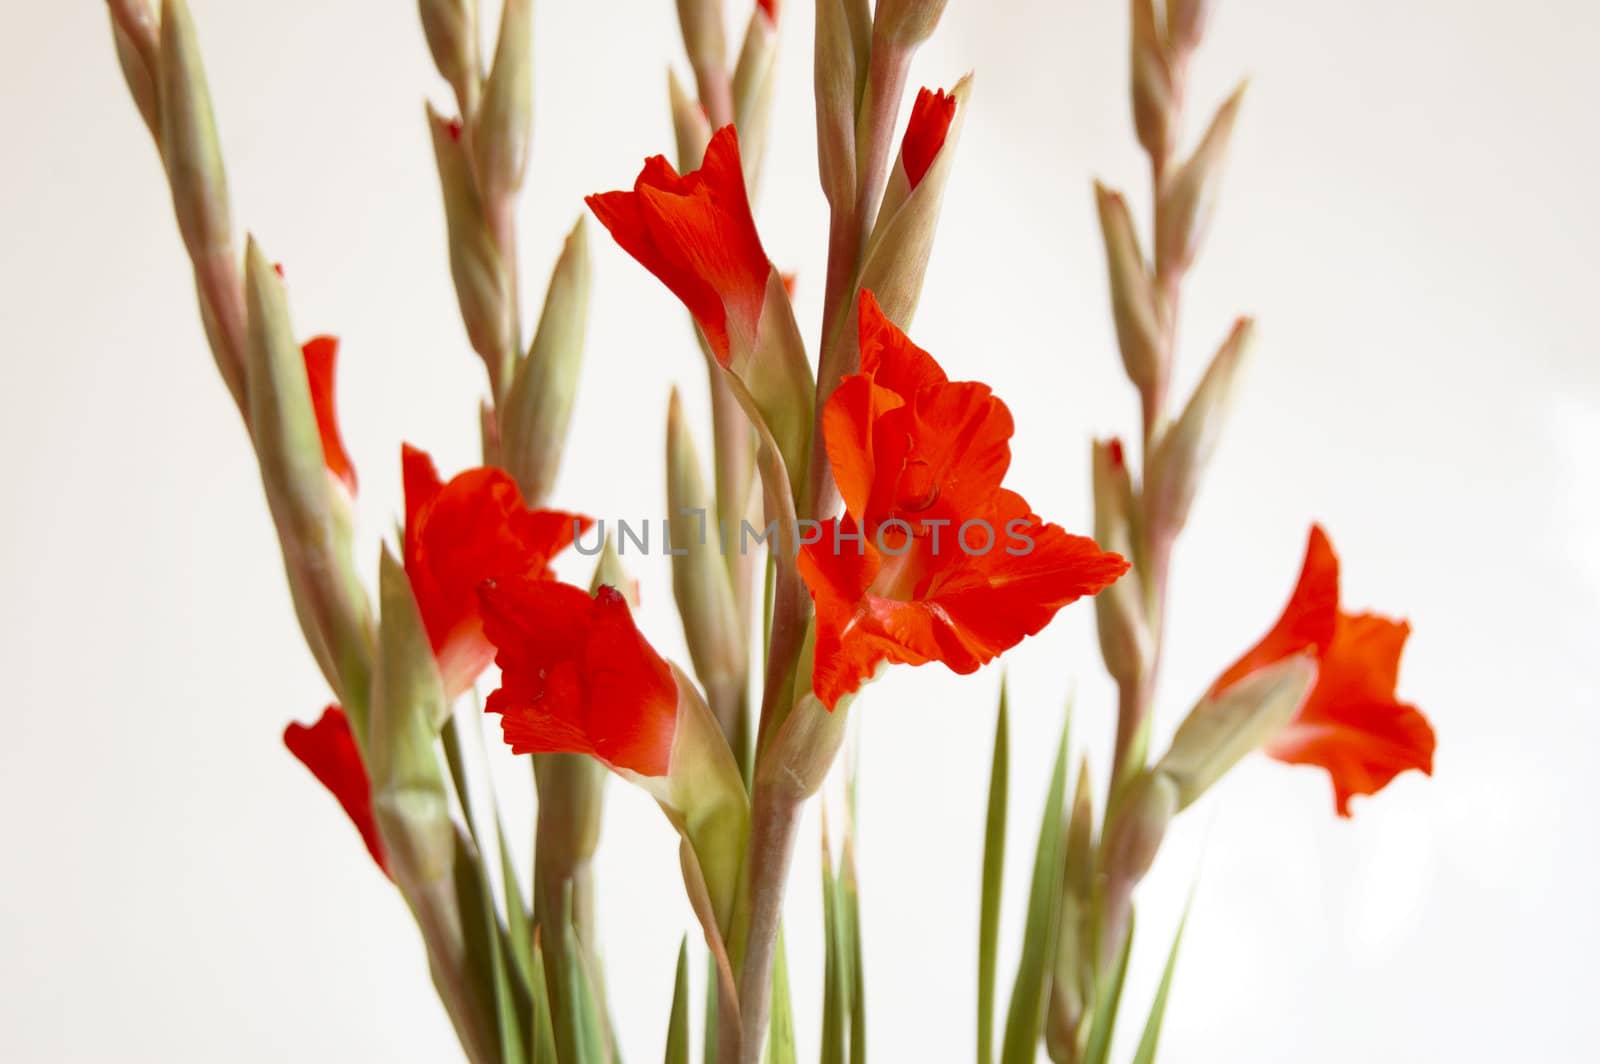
(312, 529)
(703, 38)
(906, 22)
(1188, 199)
(1072, 980)
(753, 85)
(1223, 728)
(135, 31)
(1139, 826)
(538, 407)
(689, 124)
(502, 127)
(1185, 448)
(475, 264)
(795, 760)
(451, 29)
(700, 579)
(1135, 307)
(1186, 23)
(1150, 71)
(1119, 612)
(611, 573)
(189, 137)
(839, 73)
(897, 253)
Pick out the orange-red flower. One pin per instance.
(329, 750)
(576, 676)
(696, 234)
(1352, 723)
(458, 535)
(930, 121)
(321, 353)
(934, 559)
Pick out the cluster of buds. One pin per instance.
(897, 540)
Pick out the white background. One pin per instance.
(1406, 213)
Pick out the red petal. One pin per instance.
(770, 9)
(321, 352)
(941, 457)
(578, 677)
(1307, 621)
(329, 750)
(695, 232)
(458, 535)
(893, 361)
(1353, 725)
(930, 121)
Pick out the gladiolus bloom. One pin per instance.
(329, 750)
(321, 353)
(576, 676)
(458, 535)
(930, 120)
(934, 560)
(696, 234)
(1352, 723)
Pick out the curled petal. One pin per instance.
(328, 749)
(931, 116)
(321, 353)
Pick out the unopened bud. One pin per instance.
(1135, 307)
(451, 29)
(1072, 979)
(906, 22)
(312, 529)
(1119, 612)
(1188, 198)
(700, 580)
(1225, 726)
(135, 31)
(611, 573)
(502, 128)
(839, 72)
(475, 263)
(1151, 88)
(796, 759)
(896, 259)
(1184, 449)
(703, 38)
(1186, 23)
(754, 79)
(189, 137)
(1139, 826)
(689, 124)
(538, 407)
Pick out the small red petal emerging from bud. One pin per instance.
(328, 749)
(453, 127)
(277, 268)
(770, 9)
(788, 280)
(931, 116)
(321, 353)
(1118, 459)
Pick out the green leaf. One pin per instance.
(780, 1035)
(544, 1028)
(1146, 1053)
(1107, 1000)
(836, 961)
(994, 860)
(850, 901)
(589, 1032)
(710, 1054)
(678, 1025)
(1025, 1018)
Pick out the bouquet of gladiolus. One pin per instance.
(856, 516)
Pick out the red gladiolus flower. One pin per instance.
(696, 234)
(458, 535)
(934, 560)
(321, 353)
(576, 676)
(930, 120)
(1352, 724)
(329, 750)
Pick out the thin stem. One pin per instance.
(774, 817)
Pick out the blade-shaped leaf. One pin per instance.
(1107, 1000)
(544, 1028)
(678, 1026)
(1146, 1053)
(836, 962)
(589, 1031)
(780, 1035)
(1025, 1018)
(994, 860)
